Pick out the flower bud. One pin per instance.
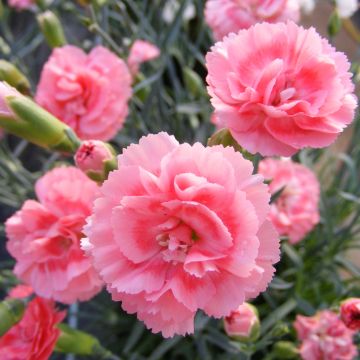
(350, 313)
(96, 159)
(80, 343)
(285, 350)
(14, 77)
(223, 137)
(193, 82)
(243, 324)
(51, 29)
(22, 117)
(334, 25)
(11, 312)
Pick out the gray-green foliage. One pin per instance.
(316, 274)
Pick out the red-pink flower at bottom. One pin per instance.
(178, 228)
(34, 337)
(350, 313)
(324, 337)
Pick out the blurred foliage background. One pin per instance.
(170, 95)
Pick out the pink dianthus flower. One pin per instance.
(279, 88)
(44, 237)
(179, 228)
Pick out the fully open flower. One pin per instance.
(34, 337)
(179, 228)
(350, 313)
(295, 211)
(88, 92)
(324, 337)
(280, 88)
(44, 237)
(227, 16)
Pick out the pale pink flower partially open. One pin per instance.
(35, 336)
(5, 91)
(243, 323)
(350, 313)
(296, 211)
(44, 237)
(21, 4)
(90, 92)
(179, 228)
(324, 337)
(141, 51)
(91, 155)
(280, 88)
(227, 16)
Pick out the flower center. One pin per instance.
(176, 243)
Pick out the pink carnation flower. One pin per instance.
(227, 16)
(280, 88)
(21, 4)
(35, 335)
(179, 228)
(44, 237)
(88, 92)
(141, 51)
(296, 211)
(324, 337)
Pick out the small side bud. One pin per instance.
(350, 313)
(285, 350)
(193, 82)
(96, 159)
(78, 342)
(223, 137)
(51, 28)
(14, 77)
(334, 24)
(11, 312)
(22, 117)
(243, 324)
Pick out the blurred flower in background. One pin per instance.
(227, 16)
(295, 210)
(324, 337)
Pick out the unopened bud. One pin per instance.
(22, 117)
(193, 82)
(96, 159)
(223, 137)
(11, 312)
(243, 324)
(51, 29)
(14, 77)
(80, 343)
(334, 24)
(285, 350)
(350, 313)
